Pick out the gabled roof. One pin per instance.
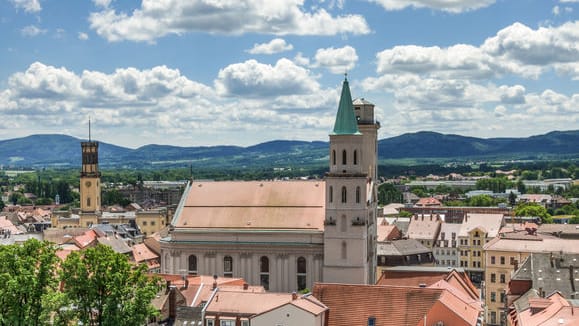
(424, 226)
(116, 244)
(142, 253)
(401, 248)
(250, 205)
(85, 239)
(490, 223)
(390, 305)
(346, 122)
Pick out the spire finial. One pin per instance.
(346, 75)
(89, 128)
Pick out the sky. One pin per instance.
(242, 72)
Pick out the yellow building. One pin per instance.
(503, 255)
(475, 231)
(151, 221)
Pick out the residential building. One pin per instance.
(532, 309)
(386, 305)
(404, 252)
(445, 250)
(456, 214)
(503, 256)
(424, 228)
(475, 231)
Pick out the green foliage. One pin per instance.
(497, 185)
(534, 210)
(107, 289)
(114, 197)
(28, 283)
(387, 193)
(404, 213)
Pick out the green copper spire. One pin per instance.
(346, 122)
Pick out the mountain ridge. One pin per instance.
(62, 150)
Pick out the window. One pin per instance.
(355, 157)
(344, 250)
(493, 278)
(493, 297)
(357, 195)
(344, 157)
(493, 317)
(343, 224)
(333, 157)
(88, 201)
(245, 323)
(144, 223)
(502, 260)
(193, 264)
(331, 195)
(371, 321)
(474, 264)
(503, 297)
(210, 322)
(264, 272)
(227, 266)
(502, 278)
(493, 260)
(344, 195)
(227, 323)
(512, 260)
(153, 223)
(301, 269)
(476, 234)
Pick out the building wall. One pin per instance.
(150, 222)
(211, 253)
(287, 315)
(501, 267)
(471, 253)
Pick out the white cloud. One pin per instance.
(299, 59)
(28, 5)
(32, 31)
(156, 19)
(276, 45)
(337, 61)
(102, 3)
(452, 6)
(160, 105)
(82, 36)
(556, 10)
(254, 79)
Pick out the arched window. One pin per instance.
(343, 224)
(88, 201)
(344, 157)
(302, 272)
(357, 195)
(264, 272)
(344, 195)
(193, 264)
(355, 157)
(334, 157)
(344, 250)
(331, 194)
(227, 266)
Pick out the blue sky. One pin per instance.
(240, 72)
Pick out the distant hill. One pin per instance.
(64, 151)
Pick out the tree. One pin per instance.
(534, 210)
(512, 199)
(481, 201)
(106, 289)
(387, 193)
(28, 282)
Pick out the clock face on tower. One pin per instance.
(88, 183)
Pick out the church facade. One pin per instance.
(287, 235)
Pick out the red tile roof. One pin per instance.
(396, 306)
(85, 239)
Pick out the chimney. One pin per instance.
(167, 286)
(186, 283)
(172, 302)
(245, 286)
(294, 295)
(214, 281)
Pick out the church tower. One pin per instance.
(90, 185)
(350, 222)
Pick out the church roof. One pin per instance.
(346, 122)
(253, 205)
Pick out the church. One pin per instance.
(287, 235)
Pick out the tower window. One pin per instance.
(333, 157)
(343, 224)
(355, 157)
(331, 194)
(88, 202)
(344, 250)
(344, 157)
(357, 195)
(344, 195)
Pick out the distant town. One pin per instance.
(488, 246)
